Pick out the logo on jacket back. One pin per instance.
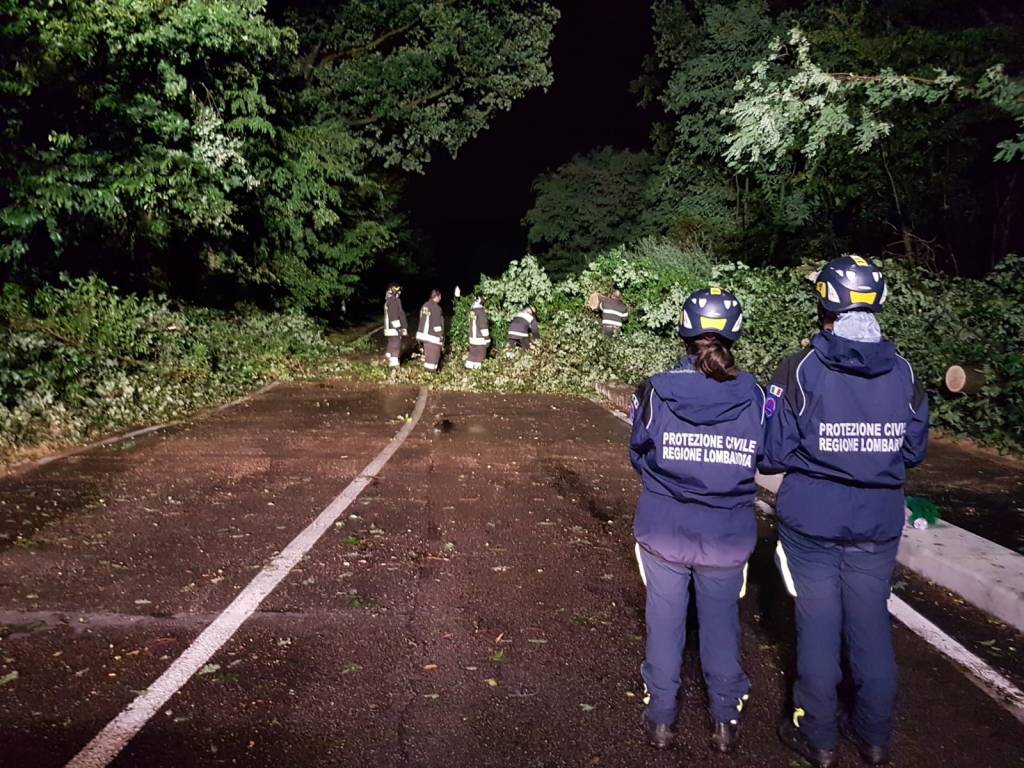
(708, 448)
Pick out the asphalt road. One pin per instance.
(477, 605)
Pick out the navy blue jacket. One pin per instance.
(696, 443)
(844, 420)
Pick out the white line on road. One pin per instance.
(1000, 690)
(109, 742)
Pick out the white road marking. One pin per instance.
(1001, 690)
(109, 742)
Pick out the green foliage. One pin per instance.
(202, 145)
(82, 359)
(790, 105)
(935, 321)
(406, 77)
(819, 128)
(591, 203)
(130, 120)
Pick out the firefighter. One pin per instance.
(614, 313)
(523, 328)
(695, 443)
(431, 331)
(479, 335)
(395, 325)
(845, 418)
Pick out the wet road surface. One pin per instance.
(479, 607)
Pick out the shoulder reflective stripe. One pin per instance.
(640, 565)
(783, 563)
(912, 381)
(800, 385)
(764, 402)
(743, 593)
(650, 407)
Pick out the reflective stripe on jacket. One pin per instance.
(431, 327)
(394, 316)
(479, 327)
(614, 312)
(523, 326)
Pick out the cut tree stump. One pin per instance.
(964, 380)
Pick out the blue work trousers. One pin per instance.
(718, 593)
(841, 591)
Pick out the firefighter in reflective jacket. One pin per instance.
(614, 313)
(843, 419)
(431, 331)
(523, 328)
(479, 335)
(695, 443)
(395, 325)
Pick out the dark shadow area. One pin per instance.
(470, 207)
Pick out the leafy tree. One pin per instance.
(591, 203)
(204, 145)
(408, 76)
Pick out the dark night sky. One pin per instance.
(471, 207)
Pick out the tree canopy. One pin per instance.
(811, 128)
(218, 145)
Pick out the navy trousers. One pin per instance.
(718, 594)
(841, 591)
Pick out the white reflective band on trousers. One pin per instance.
(479, 342)
(640, 564)
(783, 563)
(473, 366)
(518, 334)
(109, 742)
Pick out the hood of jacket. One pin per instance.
(858, 358)
(697, 399)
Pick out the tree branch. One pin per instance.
(359, 50)
(426, 98)
(850, 77)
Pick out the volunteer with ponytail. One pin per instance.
(696, 442)
(844, 420)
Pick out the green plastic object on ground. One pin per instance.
(922, 513)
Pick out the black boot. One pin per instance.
(872, 754)
(660, 735)
(725, 736)
(795, 739)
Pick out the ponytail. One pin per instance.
(713, 357)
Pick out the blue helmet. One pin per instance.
(851, 283)
(711, 310)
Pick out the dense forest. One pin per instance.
(799, 129)
(237, 149)
(241, 170)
